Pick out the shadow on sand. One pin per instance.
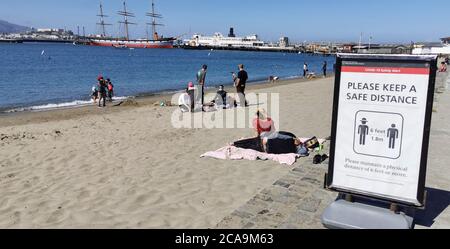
(437, 201)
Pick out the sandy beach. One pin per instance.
(126, 167)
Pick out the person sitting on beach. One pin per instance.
(274, 143)
(223, 100)
(272, 79)
(110, 89)
(311, 75)
(263, 123)
(94, 94)
(186, 100)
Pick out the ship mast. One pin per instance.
(126, 14)
(154, 16)
(102, 20)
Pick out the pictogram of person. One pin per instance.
(363, 131)
(392, 134)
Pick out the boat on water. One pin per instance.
(157, 41)
(10, 40)
(219, 40)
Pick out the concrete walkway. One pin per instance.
(298, 199)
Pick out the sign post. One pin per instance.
(381, 126)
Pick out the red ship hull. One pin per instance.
(132, 43)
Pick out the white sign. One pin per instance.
(379, 126)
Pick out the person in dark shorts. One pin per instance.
(110, 89)
(101, 91)
(201, 78)
(324, 69)
(239, 82)
(274, 143)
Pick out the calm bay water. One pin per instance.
(50, 75)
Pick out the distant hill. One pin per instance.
(6, 27)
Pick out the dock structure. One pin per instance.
(257, 49)
(296, 50)
(11, 40)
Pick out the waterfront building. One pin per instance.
(433, 48)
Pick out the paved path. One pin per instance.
(297, 200)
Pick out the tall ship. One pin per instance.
(156, 41)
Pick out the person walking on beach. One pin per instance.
(101, 91)
(110, 89)
(305, 69)
(239, 82)
(201, 77)
(324, 69)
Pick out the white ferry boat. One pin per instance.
(219, 40)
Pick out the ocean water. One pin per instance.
(43, 75)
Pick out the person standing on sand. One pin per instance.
(324, 69)
(201, 78)
(101, 91)
(110, 89)
(305, 69)
(239, 82)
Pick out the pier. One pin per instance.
(296, 50)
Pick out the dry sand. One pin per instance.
(127, 167)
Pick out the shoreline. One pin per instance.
(77, 103)
(70, 112)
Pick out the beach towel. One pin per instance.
(233, 153)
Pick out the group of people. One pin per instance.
(104, 88)
(188, 100)
(308, 75)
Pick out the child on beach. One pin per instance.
(94, 94)
(110, 89)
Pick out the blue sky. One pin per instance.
(323, 20)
